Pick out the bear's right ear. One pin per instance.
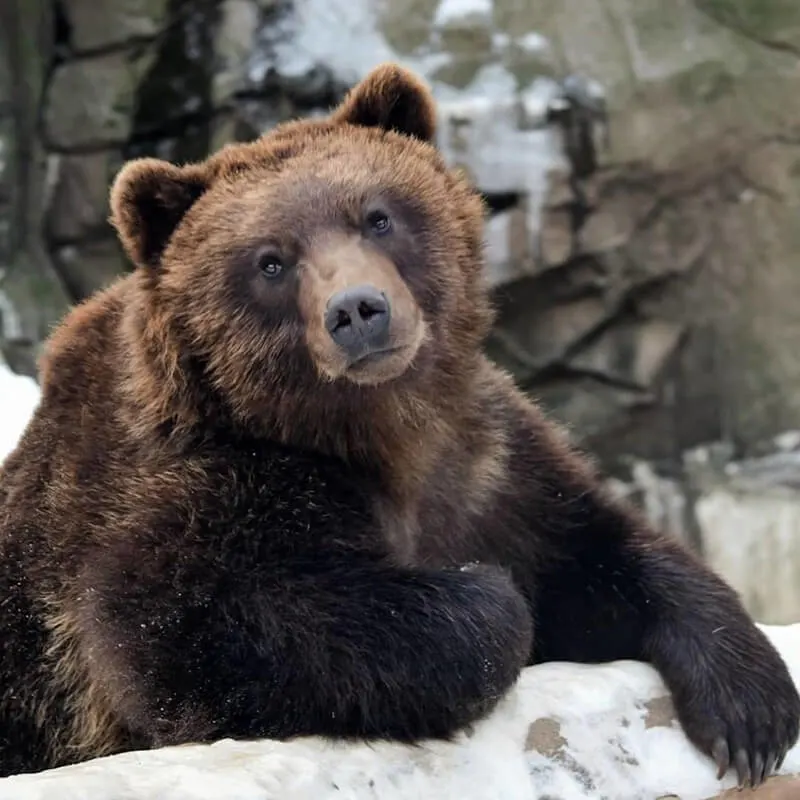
(149, 198)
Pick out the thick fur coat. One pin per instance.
(274, 487)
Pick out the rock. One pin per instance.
(752, 540)
(5, 85)
(742, 516)
(6, 178)
(666, 501)
(503, 144)
(508, 246)
(565, 732)
(560, 193)
(548, 333)
(748, 513)
(90, 103)
(780, 788)
(79, 201)
(174, 97)
(31, 296)
(89, 266)
(774, 23)
(556, 240)
(99, 25)
(631, 352)
(620, 207)
(465, 32)
(234, 42)
(588, 406)
(689, 216)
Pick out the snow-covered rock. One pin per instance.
(18, 398)
(566, 732)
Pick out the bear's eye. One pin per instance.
(379, 222)
(270, 264)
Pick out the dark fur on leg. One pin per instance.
(605, 586)
(646, 598)
(362, 649)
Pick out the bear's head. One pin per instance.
(313, 283)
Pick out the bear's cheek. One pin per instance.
(240, 321)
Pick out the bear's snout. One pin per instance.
(362, 321)
(357, 320)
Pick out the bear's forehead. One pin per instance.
(305, 178)
(298, 206)
(333, 178)
(319, 146)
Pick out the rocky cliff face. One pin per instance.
(647, 270)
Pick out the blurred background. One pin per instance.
(640, 158)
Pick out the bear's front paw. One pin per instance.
(744, 712)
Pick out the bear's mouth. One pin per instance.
(379, 366)
(374, 356)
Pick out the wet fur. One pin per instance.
(204, 535)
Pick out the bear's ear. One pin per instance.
(391, 98)
(148, 200)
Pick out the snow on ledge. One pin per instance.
(19, 396)
(566, 732)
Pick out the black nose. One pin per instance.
(358, 320)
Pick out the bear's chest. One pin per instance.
(400, 526)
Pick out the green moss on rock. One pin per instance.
(759, 18)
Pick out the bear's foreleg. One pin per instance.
(344, 647)
(605, 586)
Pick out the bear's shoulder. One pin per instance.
(84, 340)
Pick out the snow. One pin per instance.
(501, 154)
(18, 399)
(566, 732)
(451, 11)
(341, 35)
(533, 42)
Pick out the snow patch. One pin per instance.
(19, 396)
(341, 35)
(451, 11)
(533, 42)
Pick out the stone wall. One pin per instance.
(646, 269)
(742, 516)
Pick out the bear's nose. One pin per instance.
(358, 320)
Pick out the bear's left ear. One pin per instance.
(149, 198)
(391, 98)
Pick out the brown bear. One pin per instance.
(274, 487)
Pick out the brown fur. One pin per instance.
(218, 525)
